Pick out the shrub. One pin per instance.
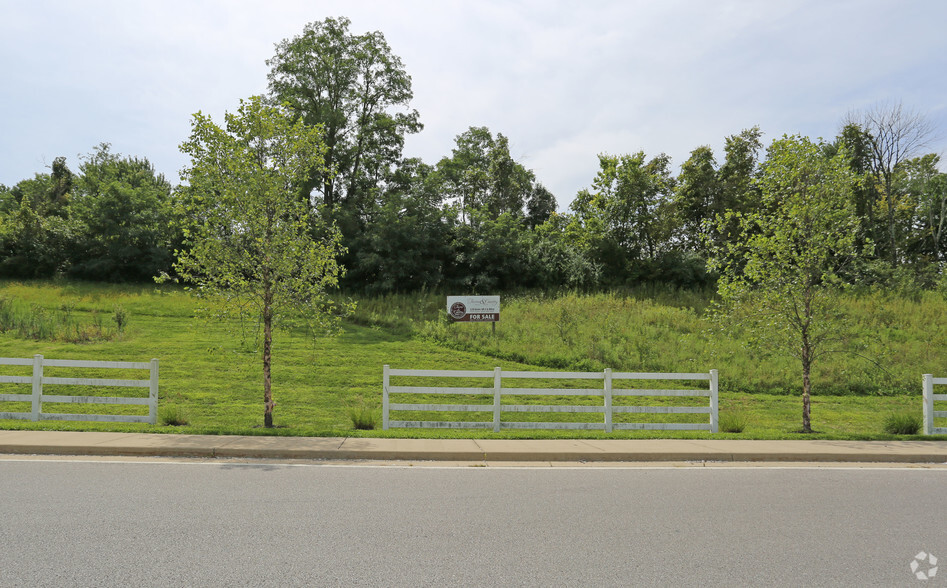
(902, 423)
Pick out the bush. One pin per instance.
(902, 423)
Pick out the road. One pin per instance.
(78, 523)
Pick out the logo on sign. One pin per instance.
(458, 310)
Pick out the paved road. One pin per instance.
(189, 524)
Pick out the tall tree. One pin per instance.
(925, 188)
(790, 251)
(248, 234)
(895, 135)
(358, 90)
(698, 195)
(122, 209)
(631, 198)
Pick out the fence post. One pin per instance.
(384, 400)
(608, 400)
(37, 385)
(928, 403)
(714, 391)
(153, 393)
(497, 378)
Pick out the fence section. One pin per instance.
(929, 398)
(38, 380)
(607, 391)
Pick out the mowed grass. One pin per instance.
(211, 374)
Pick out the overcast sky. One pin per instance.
(564, 81)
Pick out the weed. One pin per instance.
(732, 422)
(362, 416)
(172, 416)
(120, 316)
(902, 423)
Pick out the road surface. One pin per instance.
(115, 523)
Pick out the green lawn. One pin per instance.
(213, 376)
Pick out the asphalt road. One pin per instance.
(189, 524)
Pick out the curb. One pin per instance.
(468, 450)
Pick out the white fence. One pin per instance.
(38, 380)
(929, 413)
(607, 391)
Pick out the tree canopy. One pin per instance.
(248, 237)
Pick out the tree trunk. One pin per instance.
(806, 360)
(268, 403)
(806, 389)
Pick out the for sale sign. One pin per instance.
(480, 309)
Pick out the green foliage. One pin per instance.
(903, 423)
(362, 416)
(404, 243)
(172, 416)
(39, 323)
(777, 277)
(628, 209)
(251, 250)
(732, 421)
(120, 316)
(215, 381)
(482, 177)
(357, 90)
(123, 216)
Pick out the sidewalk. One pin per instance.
(469, 450)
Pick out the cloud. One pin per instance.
(563, 81)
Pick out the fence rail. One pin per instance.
(929, 398)
(607, 391)
(38, 380)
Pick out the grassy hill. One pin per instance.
(211, 374)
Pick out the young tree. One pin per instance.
(778, 276)
(248, 234)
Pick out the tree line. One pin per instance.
(477, 220)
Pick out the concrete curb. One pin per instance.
(469, 450)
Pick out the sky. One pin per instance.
(564, 81)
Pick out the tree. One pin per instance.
(481, 174)
(249, 235)
(698, 196)
(37, 237)
(122, 209)
(405, 242)
(358, 91)
(792, 249)
(925, 188)
(629, 205)
(895, 135)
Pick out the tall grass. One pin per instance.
(893, 339)
(215, 382)
(33, 321)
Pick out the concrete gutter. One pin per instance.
(469, 450)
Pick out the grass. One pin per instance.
(903, 423)
(732, 422)
(212, 379)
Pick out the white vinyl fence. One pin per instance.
(606, 391)
(38, 397)
(929, 398)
